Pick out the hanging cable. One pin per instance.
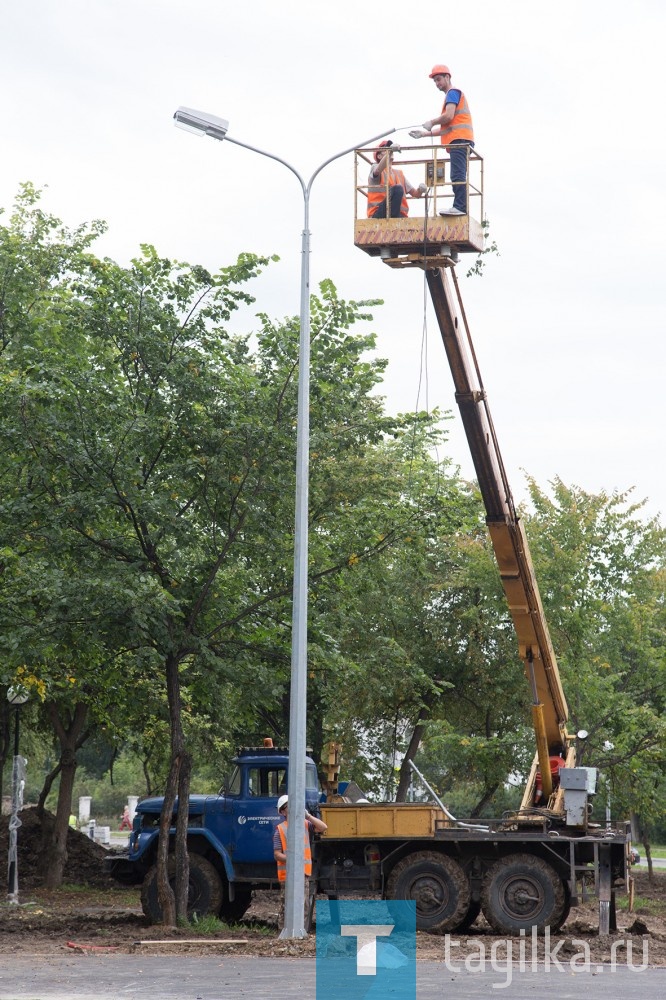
(423, 381)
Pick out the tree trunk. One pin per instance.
(174, 906)
(182, 857)
(412, 750)
(165, 895)
(483, 801)
(648, 854)
(69, 735)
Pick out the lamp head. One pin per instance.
(17, 695)
(201, 123)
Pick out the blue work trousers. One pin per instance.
(458, 155)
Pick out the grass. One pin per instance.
(208, 925)
(202, 926)
(654, 907)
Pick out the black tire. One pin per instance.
(204, 894)
(469, 918)
(521, 892)
(562, 919)
(232, 910)
(438, 885)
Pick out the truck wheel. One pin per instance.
(232, 910)
(204, 894)
(562, 919)
(520, 892)
(438, 885)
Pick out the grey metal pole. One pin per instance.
(294, 923)
(294, 909)
(14, 821)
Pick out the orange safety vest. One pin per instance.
(460, 126)
(282, 865)
(377, 193)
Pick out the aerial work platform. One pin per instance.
(425, 238)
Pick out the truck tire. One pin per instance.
(438, 885)
(204, 895)
(520, 892)
(564, 916)
(232, 910)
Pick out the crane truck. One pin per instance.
(524, 870)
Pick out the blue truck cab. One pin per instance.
(229, 837)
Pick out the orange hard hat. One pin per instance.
(440, 71)
(386, 142)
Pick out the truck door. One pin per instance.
(255, 813)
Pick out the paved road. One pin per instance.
(141, 977)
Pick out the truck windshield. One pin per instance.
(311, 777)
(233, 786)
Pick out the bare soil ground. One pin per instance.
(91, 914)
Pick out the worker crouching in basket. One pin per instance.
(384, 174)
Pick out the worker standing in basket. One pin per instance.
(454, 127)
(398, 185)
(312, 825)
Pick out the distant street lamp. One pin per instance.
(16, 696)
(218, 128)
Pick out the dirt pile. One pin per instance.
(84, 856)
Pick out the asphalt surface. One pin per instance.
(137, 977)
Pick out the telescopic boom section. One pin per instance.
(549, 707)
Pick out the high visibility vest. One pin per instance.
(377, 192)
(282, 865)
(460, 126)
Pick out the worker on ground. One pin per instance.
(454, 127)
(382, 172)
(312, 825)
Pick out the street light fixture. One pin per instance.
(16, 696)
(217, 128)
(197, 121)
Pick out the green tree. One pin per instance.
(152, 457)
(602, 574)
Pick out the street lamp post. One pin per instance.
(16, 696)
(218, 128)
(608, 746)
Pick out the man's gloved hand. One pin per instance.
(422, 188)
(416, 133)
(427, 126)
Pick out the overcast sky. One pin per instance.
(569, 322)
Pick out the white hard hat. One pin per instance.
(282, 801)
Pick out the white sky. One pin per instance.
(568, 323)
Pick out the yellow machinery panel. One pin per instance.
(370, 821)
(416, 234)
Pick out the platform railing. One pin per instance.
(430, 166)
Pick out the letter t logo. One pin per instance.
(366, 944)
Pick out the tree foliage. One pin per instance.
(146, 543)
